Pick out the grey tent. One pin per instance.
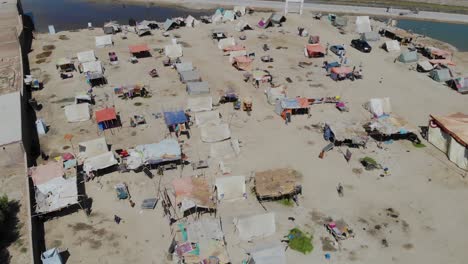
(189, 76)
(408, 57)
(340, 21)
(460, 84)
(51, 256)
(441, 75)
(370, 36)
(424, 66)
(277, 18)
(169, 24)
(184, 66)
(196, 88)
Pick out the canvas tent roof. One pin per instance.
(189, 76)
(173, 51)
(99, 162)
(272, 253)
(184, 66)
(441, 75)
(225, 149)
(313, 50)
(392, 45)
(363, 24)
(77, 112)
(196, 88)
(63, 61)
(192, 192)
(370, 36)
(86, 56)
(240, 9)
(165, 150)
(207, 118)
(216, 133)
(91, 148)
(277, 18)
(408, 56)
(168, 24)
(138, 48)
(175, 117)
(199, 104)
(454, 124)
(275, 93)
(231, 188)
(204, 229)
(103, 41)
(275, 183)
(425, 65)
(255, 226)
(105, 114)
(190, 21)
(226, 42)
(56, 194)
(10, 116)
(92, 66)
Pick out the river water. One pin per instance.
(75, 14)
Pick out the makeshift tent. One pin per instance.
(107, 118)
(236, 53)
(391, 127)
(370, 36)
(397, 34)
(340, 21)
(183, 66)
(229, 16)
(95, 79)
(173, 51)
(99, 162)
(314, 50)
(255, 226)
(217, 17)
(216, 133)
(190, 21)
(228, 50)
(239, 10)
(111, 27)
(104, 41)
(408, 57)
(265, 23)
(441, 75)
(203, 229)
(460, 84)
(363, 24)
(44, 173)
(86, 56)
(436, 53)
(450, 135)
(65, 64)
(189, 76)
(199, 104)
(379, 106)
(275, 94)
(149, 23)
(142, 29)
(91, 148)
(273, 253)
(169, 24)
(92, 66)
(275, 183)
(242, 63)
(347, 133)
(226, 42)
(139, 51)
(424, 66)
(191, 193)
(165, 150)
(243, 25)
(392, 45)
(292, 106)
(277, 18)
(443, 62)
(197, 88)
(225, 149)
(175, 117)
(51, 256)
(77, 112)
(218, 34)
(207, 118)
(231, 188)
(340, 73)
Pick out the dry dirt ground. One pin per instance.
(411, 216)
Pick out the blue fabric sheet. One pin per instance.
(174, 118)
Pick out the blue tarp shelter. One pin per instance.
(175, 117)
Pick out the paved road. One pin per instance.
(374, 11)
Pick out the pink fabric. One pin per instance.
(44, 173)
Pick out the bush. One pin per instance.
(300, 241)
(286, 202)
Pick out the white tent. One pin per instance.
(51, 256)
(392, 45)
(104, 41)
(236, 53)
(225, 149)
(229, 16)
(240, 10)
(77, 112)
(86, 56)
(173, 51)
(198, 88)
(216, 133)
(273, 253)
(199, 104)
(255, 226)
(190, 21)
(99, 162)
(379, 106)
(92, 148)
(184, 66)
(92, 66)
(217, 17)
(231, 188)
(370, 36)
(363, 24)
(242, 25)
(275, 93)
(207, 118)
(226, 42)
(56, 194)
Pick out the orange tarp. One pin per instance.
(440, 53)
(455, 124)
(105, 115)
(303, 102)
(341, 70)
(315, 48)
(138, 48)
(234, 48)
(195, 189)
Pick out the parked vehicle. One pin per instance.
(338, 49)
(361, 45)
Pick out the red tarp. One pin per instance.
(315, 49)
(445, 62)
(234, 48)
(138, 48)
(105, 115)
(303, 102)
(341, 70)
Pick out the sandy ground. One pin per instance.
(424, 187)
